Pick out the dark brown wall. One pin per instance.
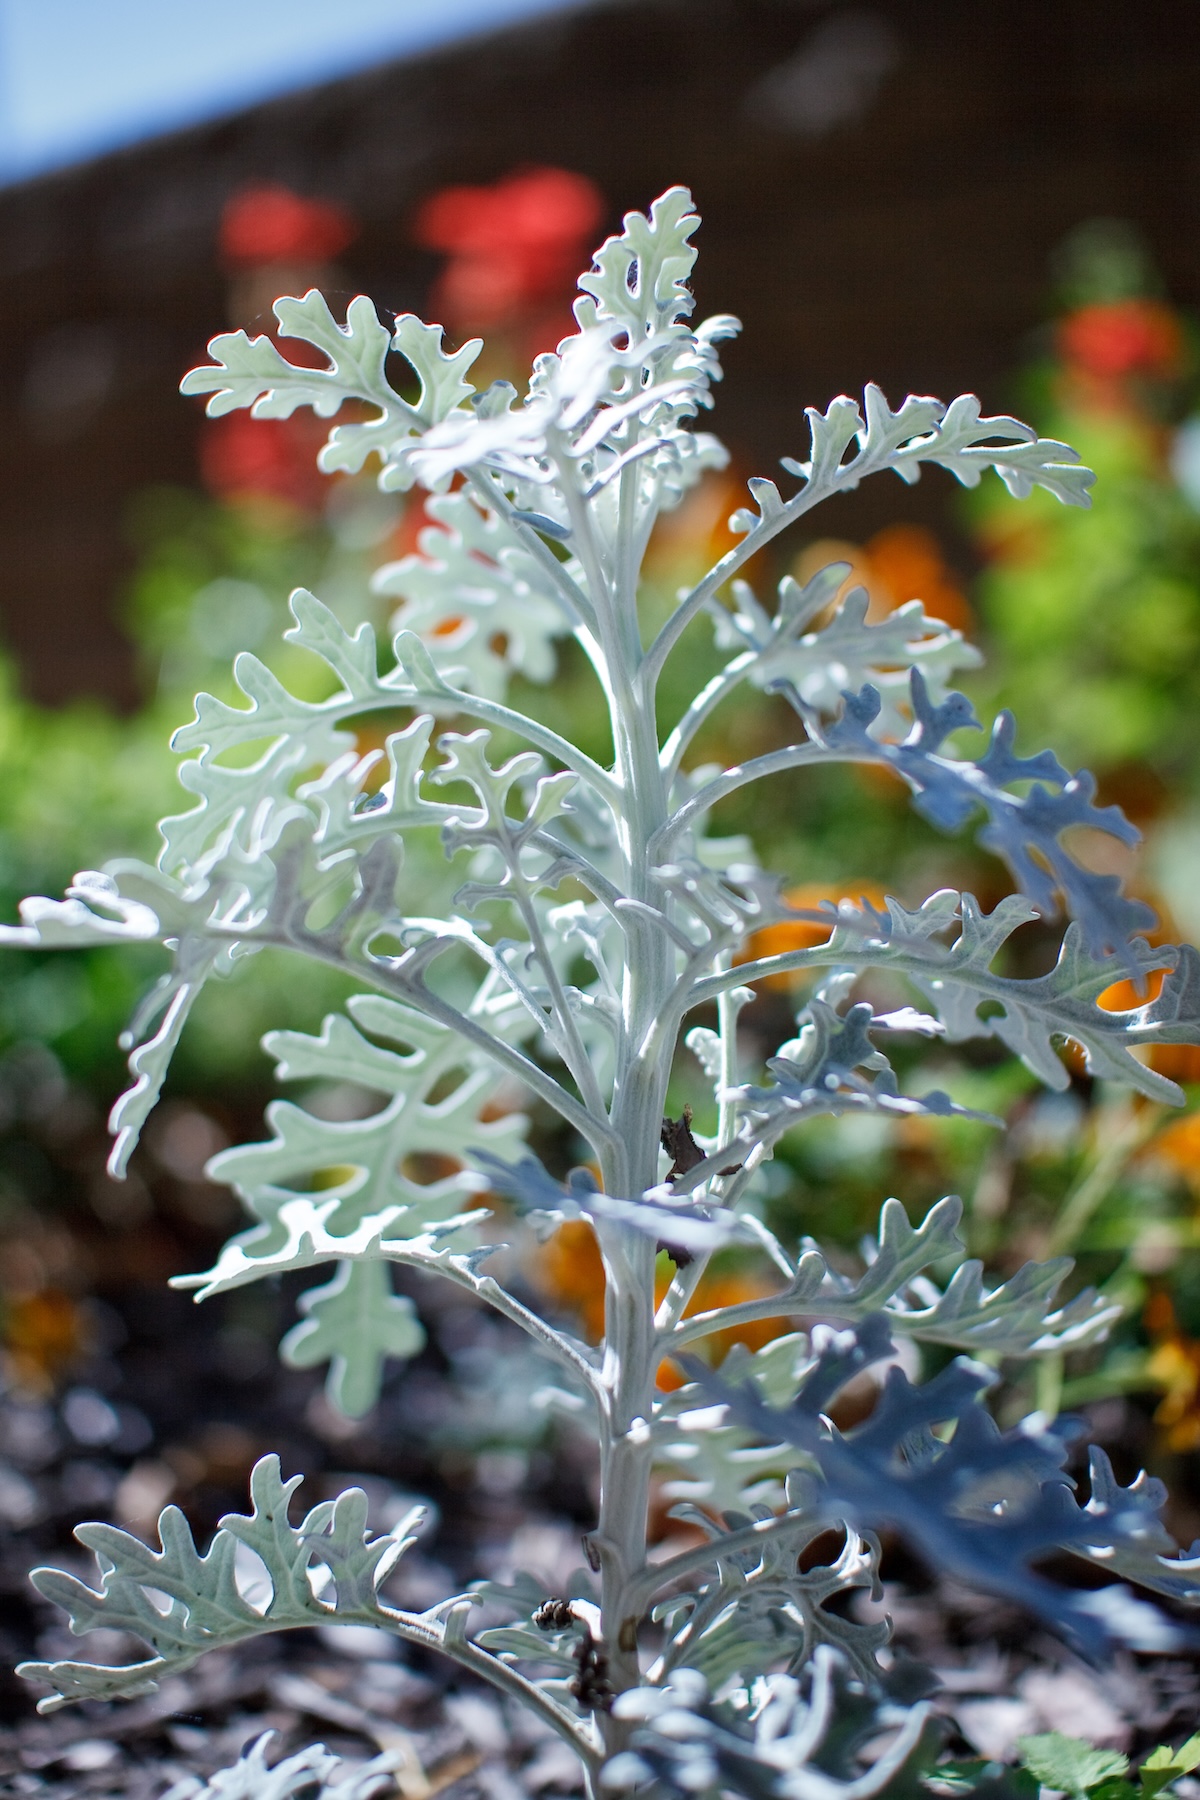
(907, 241)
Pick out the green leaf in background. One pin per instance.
(1163, 1765)
(1069, 1764)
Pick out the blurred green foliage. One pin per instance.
(82, 783)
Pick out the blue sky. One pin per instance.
(78, 77)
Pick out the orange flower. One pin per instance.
(1180, 1062)
(716, 1290)
(1178, 1146)
(805, 934)
(43, 1334)
(900, 563)
(1174, 1365)
(906, 562)
(570, 1269)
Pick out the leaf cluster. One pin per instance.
(595, 922)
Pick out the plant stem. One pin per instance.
(630, 1164)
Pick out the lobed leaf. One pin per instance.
(364, 1170)
(479, 599)
(311, 1774)
(1030, 1015)
(1024, 830)
(660, 1213)
(251, 372)
(1020, 1317)
(845, 652)
(980, 1505)
(205, 1607)
(822, 1072)
(776, 1741)
(955, 437)
(756, 1607)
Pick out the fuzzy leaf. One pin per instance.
(527, 1644)
(354, 1323)
(1024, 831)
(150, 1060)
(1018, 1318)
(205, 1607)
(250, 372)
(754, 1605)
(481, 602)
(819, 666)
(369, 1198)
(639, 279)
(1028, 1015)
(819, 1072)
(955, 437)
(362, 1161)
(301, 1239)
(772, 1741)
(313, 1773)
(659, 1214)
(94, 912)
(980, 1505)
(614, 396)
(1023, 461)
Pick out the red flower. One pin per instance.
(243, 458)
(1114, 338)
(512, 246)
(267, 223)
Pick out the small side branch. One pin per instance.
(598, 1132)
(642, 1587)
(782, 1305)
(417, 1628)
(787, 962)
(809, 496)
(389, 979)
(702, 708)
(570, 1045)
(505, 718)
(568, 1351)
(574, 601)
(776, 762)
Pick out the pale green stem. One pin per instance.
(505, 718)
(507, 1679)
(845, 476)
(630, 1164)
(566, 1039)
(640, 1590)
(570, 1354)
(687, 1279)
(684, 1283)
(575, 602)
(596, 1131)
(702, 708)
(777, 762)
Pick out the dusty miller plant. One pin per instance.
(594, 939)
